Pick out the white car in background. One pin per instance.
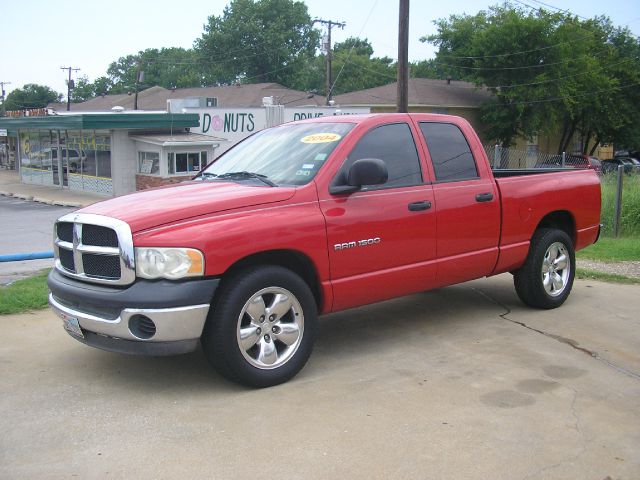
(74, 157)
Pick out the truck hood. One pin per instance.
(151, 208)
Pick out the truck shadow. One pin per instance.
(345, 340)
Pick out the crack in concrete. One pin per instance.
(583, 444)
(567, 341)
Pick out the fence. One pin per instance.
(505, 158)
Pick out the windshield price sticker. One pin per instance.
(321, 138)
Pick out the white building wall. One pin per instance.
(123, 162)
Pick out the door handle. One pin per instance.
(418, 206)
(484, 197)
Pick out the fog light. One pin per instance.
(142, 327)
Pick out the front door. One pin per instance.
(382, 239)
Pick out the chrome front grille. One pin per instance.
(94, 248)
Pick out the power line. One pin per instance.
(579, 95)
(566, 11)
(352, 47)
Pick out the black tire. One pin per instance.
(268, 286)
(530, 279)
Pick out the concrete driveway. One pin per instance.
(463, 382)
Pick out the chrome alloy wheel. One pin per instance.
(556, 269)
(270, 328)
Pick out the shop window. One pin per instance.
(189, 163)
(149, 163)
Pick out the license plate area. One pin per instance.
(71, 325)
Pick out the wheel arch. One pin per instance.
(561, 220)
(296, 261)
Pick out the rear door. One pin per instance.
(467, 205)
(382, 238)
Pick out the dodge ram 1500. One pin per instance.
(307, 218)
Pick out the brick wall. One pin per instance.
(150, 181)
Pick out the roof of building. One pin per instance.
(104, 121)
(232, 96)
(422, 91)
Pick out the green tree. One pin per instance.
(427, 69)
(505, 50)
(167, 67)
(31, 95)
(257, 41)
(353, 67)
(549, 72)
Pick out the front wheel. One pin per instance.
(260, 331)
(546, 278)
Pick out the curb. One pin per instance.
(31, 198)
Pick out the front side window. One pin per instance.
(450, 153)
(394, 145)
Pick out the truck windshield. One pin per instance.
(283, 155)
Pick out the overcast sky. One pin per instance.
(40, 36)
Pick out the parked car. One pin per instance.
(586, 161)
(571, 161)
(609, 166)
(308, 218)
(636, 162)
(73, 157)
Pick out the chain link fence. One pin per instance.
(509, 158)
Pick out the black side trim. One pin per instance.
(140, 294)
(132, 347)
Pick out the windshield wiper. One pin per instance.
(244, 174)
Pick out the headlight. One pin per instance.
(170, 263)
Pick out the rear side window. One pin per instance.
(450, 152)
(394, 145)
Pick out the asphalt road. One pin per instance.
(26, 227)
(459, 383)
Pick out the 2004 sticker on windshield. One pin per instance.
(321, 138)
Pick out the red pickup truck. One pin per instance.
(308, 218)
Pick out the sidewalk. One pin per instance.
(10, 186)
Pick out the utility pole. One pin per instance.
(403, 57)
(139, 79)
(2, 94)
(329, 24)
(70, 85)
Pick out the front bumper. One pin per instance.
(107, 316)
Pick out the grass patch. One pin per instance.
(630, 213)
(586, 274)
(24, 295)
(612, 250)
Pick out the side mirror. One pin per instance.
(366, 171)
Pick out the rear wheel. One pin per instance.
(260, 332)
(546, 278)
